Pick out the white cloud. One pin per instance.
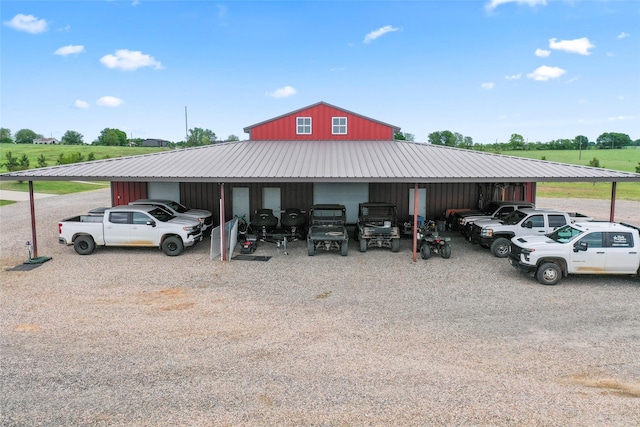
(81, 104)
(620, 118)
(64, 29)
(378, 33)
(542, 53)
(580, 46)
(488, 85)
(130, 60)
(27, 23)
(545, 73)
(135, 3)
(495, 3)
(513, 76)
(109, 101)
(623, 35)
(282, 92)
(69, 50)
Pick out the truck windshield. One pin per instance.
(490, 208)
(564, 234)
(161, 215)
(177, 207)
(514, 218)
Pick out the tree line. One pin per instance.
(113, 137)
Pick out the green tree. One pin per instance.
(581, 142)
(199, 136)
(71, 137)
(638, 168)
(5, 136)
(112, 137)
(404, 136)
(232, 138)
(26, 136)
(594, 163)
(611, 140)
(42, 162)
(444, 137)
(516, 142)
(24, 162)
(12, 162)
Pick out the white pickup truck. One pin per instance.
(141, 225)
(496, 234)
(580, 248)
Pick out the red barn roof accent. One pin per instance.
(357, 126)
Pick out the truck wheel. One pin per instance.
(425, 251)
(446, 251)
(172, 246)
(311, 250)
(363, 245)
(395, 245)
(548, 273)
(344, 248)
(84, 245)
(501, 247)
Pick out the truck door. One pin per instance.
(116, 228)
(141, 233)
(591, 261)
(534, 224)
(556, 221)
(622, 257)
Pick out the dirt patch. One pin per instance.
(614, 386)
(168, 299)
(27, 327)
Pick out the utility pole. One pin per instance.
(186, 132)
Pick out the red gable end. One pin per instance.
(324, 122)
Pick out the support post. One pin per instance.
(223, 237)
(33, 221)
(415, 222)
(612, 212)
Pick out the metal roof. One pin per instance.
(322, 161)
(248, 128)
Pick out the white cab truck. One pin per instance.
(205, 217)
(497, 234)
(140, 225)
(579, 248)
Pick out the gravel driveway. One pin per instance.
(133, 337)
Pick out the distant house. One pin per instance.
(152, 142)
(46, 141)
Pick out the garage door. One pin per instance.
(347, 194)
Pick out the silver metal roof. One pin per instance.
(322, 161)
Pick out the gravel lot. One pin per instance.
(133, 337)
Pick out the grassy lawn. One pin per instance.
(53, 187)
(623, 160)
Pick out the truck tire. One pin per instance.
(344, 248)
(548, 273)
(501, 247)
(446, 251)
(395, 245)
(363, 245)
(172, 246)
(311, 249)
(425, 251)
(84, 245)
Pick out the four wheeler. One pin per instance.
(430, 241)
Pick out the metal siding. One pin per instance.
(124, 192)
(358, 127)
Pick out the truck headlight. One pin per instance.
(487, 232)
(192, 228)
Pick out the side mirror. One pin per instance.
(528, 224)
(151, 223)
(580, 246)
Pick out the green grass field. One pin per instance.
(623, 160)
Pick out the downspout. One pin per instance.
(33, 221)
(612, 212)
(415, 222)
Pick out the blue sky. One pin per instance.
(544, 69)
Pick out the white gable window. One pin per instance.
(303, 125)
(339, 125)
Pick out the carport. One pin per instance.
(205, 175)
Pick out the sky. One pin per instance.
(487, 69)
